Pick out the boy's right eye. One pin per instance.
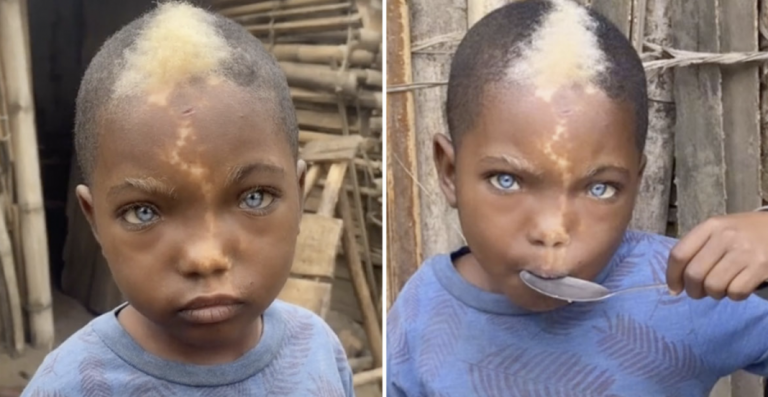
(505, 182)
(139, 215)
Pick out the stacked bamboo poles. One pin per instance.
(333, 63)
(32, 252)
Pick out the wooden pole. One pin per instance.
(292, 13)
(652, 207)
(699, 140)
(363, 378)
(356, 272)
(404, 251)
(27, 170)
(307, 25)
(319, 77)
(266, 6)
(763, 23)
(322, 54)
(11, 284)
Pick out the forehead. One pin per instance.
(213, 125)
(578, 120)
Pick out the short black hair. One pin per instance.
(247, 64)
(493, 45)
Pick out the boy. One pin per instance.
(547, 117)
(187, 140)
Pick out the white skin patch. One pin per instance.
(178, 44)
(563, 52)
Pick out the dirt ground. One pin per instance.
(69, 316)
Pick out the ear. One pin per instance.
(445, 162)
(301, 175)
(85, 199)
(643, 163)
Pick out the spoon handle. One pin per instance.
(640, 288)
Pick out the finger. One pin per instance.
(722, 274)
(683, 252)
(745, 283)
(700, 266)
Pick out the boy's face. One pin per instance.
(196, 194)
(542, 184)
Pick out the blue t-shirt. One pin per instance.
(447, 337)
(298, 355)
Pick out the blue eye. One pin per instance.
(506, 182)
(256, 199)
(140, 215)
(602, 191)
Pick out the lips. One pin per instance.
(211, 309)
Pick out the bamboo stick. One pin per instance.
(307, 26)
(319, 77)
(295, 13)
(321, 121)
(366, 377)
(369, 99)
(34, 239)
(338, 37)
(11, 286)
(369, 77)
(271, 5)
(322, 54)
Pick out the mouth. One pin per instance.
(211, 309)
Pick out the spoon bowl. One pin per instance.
(572, 289)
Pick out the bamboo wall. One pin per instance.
(708, 121)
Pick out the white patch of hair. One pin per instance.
(564, 51)
(179, 43)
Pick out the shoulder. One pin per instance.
(81, 358)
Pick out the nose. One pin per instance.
(204, 257)
(548, 230)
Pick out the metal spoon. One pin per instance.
(572, 289)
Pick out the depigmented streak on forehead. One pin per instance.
(564, 51)
(177, 44)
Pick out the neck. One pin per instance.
(169, 346)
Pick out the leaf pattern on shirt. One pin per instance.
(441, 336)
(409, 297)
(397, 344)
(139, 384)
(639, 350)
(89, 336)
(280, 376)
(324, 387)
(93, 380)
(517, 372)
(46, 393)
(49, 367)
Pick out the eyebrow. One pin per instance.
(240, 172)
(148, 185)
(516, 162)
(606, 168)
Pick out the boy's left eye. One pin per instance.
(602, 191)
(256, 199)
